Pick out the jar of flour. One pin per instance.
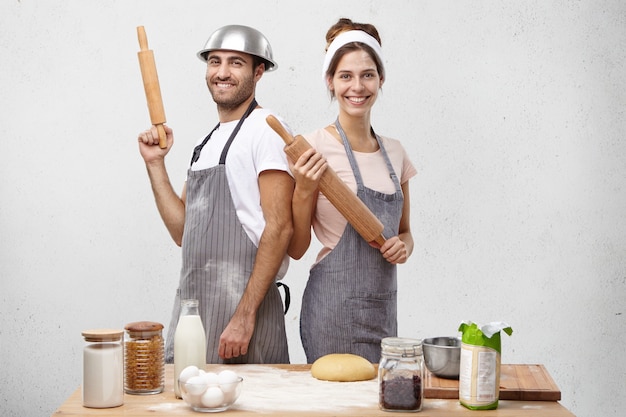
(103, 368)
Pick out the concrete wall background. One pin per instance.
(513, 113)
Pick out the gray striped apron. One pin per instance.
(350, 300)
(218, 257)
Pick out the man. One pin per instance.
(233, 218)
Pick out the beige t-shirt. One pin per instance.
(328, 223)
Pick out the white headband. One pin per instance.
(346, 38)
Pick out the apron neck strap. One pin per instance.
(355, 165)
(198, 149)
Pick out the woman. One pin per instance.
(350, 301)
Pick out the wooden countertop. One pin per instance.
(290, 390)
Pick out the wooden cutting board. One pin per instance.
(517, 382)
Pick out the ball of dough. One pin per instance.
(344, 367)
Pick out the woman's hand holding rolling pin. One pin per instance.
(149, 144)
(307, 171)
(394, 250)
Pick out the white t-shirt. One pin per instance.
(255, 149)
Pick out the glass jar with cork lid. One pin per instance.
(144, 358)
(401, 375)
(103, 368)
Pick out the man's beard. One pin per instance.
(243, 91)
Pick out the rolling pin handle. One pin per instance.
(162, 136)
(279, 128)
(379, 241)
(143, 39)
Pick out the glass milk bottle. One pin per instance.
(103, 368)
(189, 341)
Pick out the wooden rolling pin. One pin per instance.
(337, 192)
(151, 86)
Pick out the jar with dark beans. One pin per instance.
(401, 393)
(400, 375)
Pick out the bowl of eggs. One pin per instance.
(209, 392)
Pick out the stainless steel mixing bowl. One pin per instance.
(442, 356)
(243, 39)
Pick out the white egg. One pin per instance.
(229, 396)
(196, 385)
(213, 397)
(211, 378)
(194, 400)
(227, 377)
(188, 372)
(228, 381)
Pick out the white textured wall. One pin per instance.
(512, 111)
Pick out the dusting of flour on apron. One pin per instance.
(218, 257)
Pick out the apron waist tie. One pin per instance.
(287, 295)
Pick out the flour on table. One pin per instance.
(274, 389)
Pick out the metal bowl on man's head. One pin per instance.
(243, 39)
(442, 356)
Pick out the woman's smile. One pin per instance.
(356, 80)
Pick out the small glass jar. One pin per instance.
(103, 368)
(401, 375)
(144, 370)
